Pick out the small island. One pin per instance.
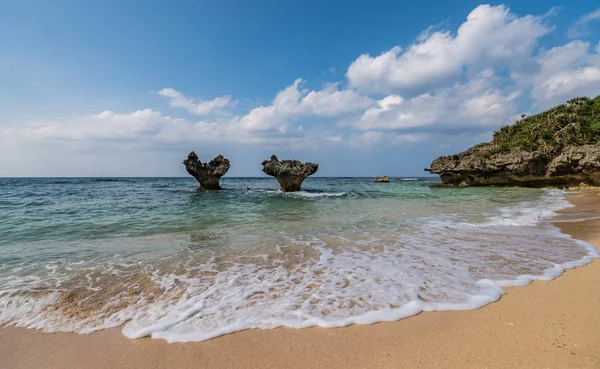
(207, 174)
(384, 179)
(289, 173)
(556, 148)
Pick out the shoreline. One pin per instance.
(545, 324)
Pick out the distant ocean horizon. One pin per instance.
(224, 177)
(152, 254)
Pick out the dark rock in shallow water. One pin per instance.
(207, 174)
(289, 173)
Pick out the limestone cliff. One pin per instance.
(559, 147)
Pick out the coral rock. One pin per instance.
(207, 174)
(289, 173)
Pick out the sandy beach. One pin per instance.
(544, 325)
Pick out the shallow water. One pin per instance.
(86, 254)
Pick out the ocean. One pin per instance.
(160, 259)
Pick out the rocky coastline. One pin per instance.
(557, 148)
(572, 167)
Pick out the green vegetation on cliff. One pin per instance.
(576, 122)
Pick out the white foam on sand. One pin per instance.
(373, 289)
(314, 194)
(304, 194)
(431, 265)
(530, 213)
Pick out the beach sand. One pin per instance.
(544, 325)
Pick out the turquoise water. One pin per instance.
(168, 261)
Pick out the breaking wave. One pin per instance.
(280, 262)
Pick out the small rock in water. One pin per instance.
(383, 179)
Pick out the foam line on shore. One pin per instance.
(492, 291)
(436, 264)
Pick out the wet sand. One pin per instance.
(544, 325)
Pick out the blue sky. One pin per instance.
(113, 88)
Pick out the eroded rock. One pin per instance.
(559, 147)
(570, 167)
(289, 173)
(384, 179)
(207, 174)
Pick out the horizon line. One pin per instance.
(190, 177)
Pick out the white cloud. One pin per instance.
(178, 100)
(292, 103)
(565, 72)
(278, 114)
(142, 127)
(104, 126)
(331, 102)
(148, 128)
(490, 35)
(334, 138)
(372, 138)
(475, 103)
(265, 124)
(581, 27)
(469, 81)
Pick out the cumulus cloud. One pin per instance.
(104, 126)
(293, 103)
(491, 35)
(372, 138)
(473, 104)
(565, 72)
(149, 129)
(469, 81)
(581, 27)
(178, 100)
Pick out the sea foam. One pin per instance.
(375, 269)
(530, 213)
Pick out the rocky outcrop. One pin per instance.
(289, 173)
(572, 166)
(384, 179)
(559, 147)
(207, 174)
